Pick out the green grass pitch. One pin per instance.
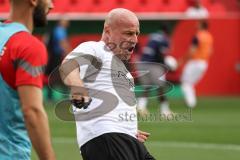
(212, 134)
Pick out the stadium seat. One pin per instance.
(102, 5)
(216, 7)
(232, 5)
(4, 7)
(133, 5)
(174, 5)
(149, 5)
(128, 4)
(206, 3)
(60, 6)
(80, 5)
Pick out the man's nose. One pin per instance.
(135, 39)
(50, 5)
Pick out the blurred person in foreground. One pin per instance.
(157, 50)
(22, 59)
(58, 47)
(197, 62)
(105, 109)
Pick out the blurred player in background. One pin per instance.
(156, 51)
(22, 60)
(108, 130)
(197, 62)
(58, 47)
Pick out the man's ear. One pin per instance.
(107, 30)
(33, 2)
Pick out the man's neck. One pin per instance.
(23, 16)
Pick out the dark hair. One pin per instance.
(164, 27)
(39, 16)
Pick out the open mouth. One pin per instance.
(130, 49)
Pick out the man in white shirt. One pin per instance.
(103, 98)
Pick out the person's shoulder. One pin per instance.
(26, 40)
(26, 45)
(209, 35)
(88, 46)
(92, 48)
(85, 48)
(157, 37)
(204, 32)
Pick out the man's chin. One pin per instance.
(126, 57)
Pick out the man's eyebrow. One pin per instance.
(132, 31)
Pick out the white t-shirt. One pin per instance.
(113, 106)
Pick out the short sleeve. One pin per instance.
(30, 63)
(83, 49)
(85, 54)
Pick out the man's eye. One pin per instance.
(129, 33)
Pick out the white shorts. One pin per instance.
(193, 71)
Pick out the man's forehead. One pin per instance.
(128, 28)
(127, 22)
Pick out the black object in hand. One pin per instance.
(81, 103)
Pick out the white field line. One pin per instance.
(168, 144)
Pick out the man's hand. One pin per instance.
(142, 136)
(80, 101)
(69, 72)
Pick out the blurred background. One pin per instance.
(212, 130)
